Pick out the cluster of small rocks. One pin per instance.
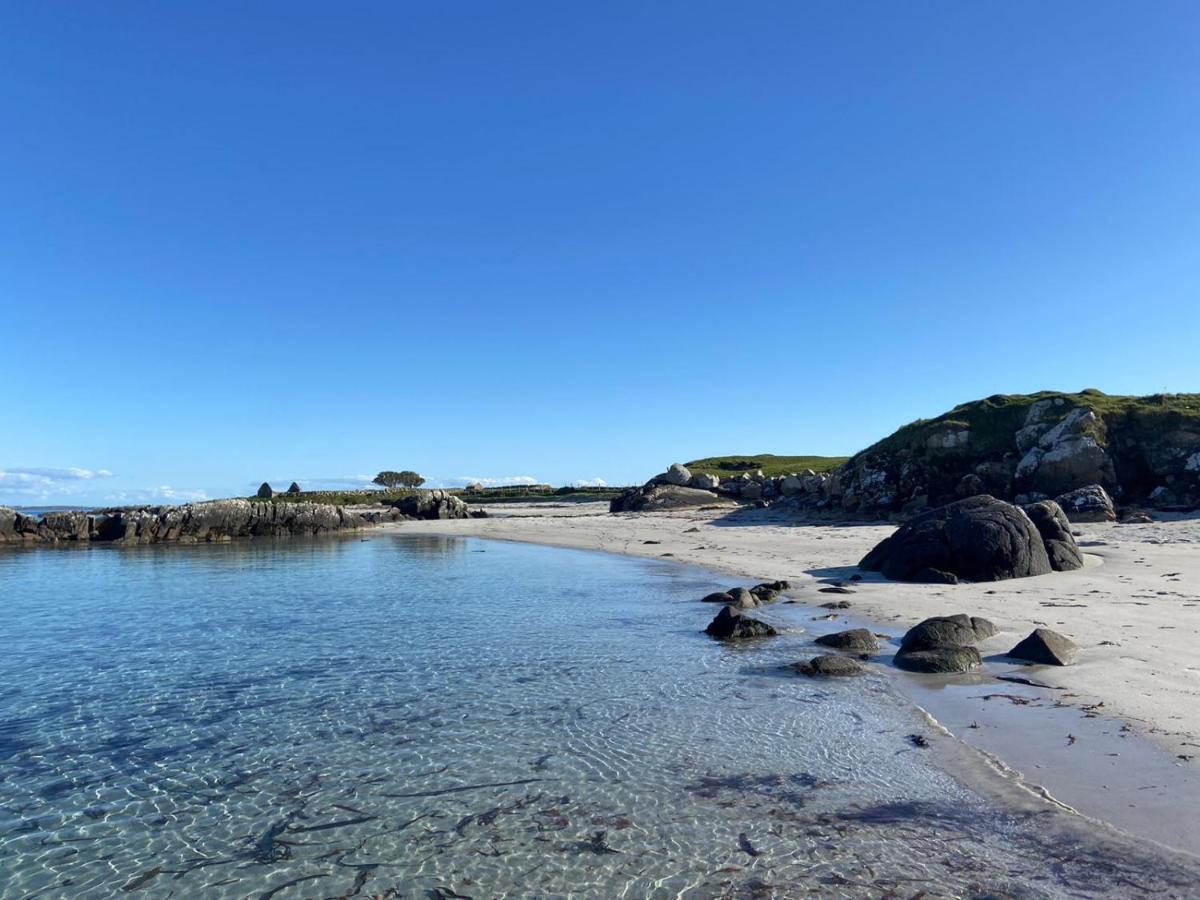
(731, 623)
(679, 487)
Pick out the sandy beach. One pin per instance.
(1134, 611)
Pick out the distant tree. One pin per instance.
(411, 479)
(392, 480)
(294, 489)
(387, 479)
(265, 492)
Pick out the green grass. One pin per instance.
(994, 420)
(730, 466)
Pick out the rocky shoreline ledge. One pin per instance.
(220, 520)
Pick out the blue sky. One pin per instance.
(572, 241)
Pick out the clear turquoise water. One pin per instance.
(434, 717)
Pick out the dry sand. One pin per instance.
(1134, 611)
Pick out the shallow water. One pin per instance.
(426, 716)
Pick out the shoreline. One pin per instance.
(1085, 737)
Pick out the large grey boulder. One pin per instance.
(676, 474)
(1089, 503)
(660, 497)
(8, 525)
(730, 624)
(1046, 647)
(704, 481)
(742, 598)
(1067, 456)
(976, 539)
(1051, 523)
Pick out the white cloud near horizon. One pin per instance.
(47, 483)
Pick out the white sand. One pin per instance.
(1134, 610)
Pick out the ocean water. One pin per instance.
(405, 716)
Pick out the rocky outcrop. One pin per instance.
(434, 504)
(216, 520)
(1088, 504)
(730, 624)
(654, 497)
(1028, 448)
(1046, 647)
(977, 539)
(1051, 523)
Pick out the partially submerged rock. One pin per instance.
(947, 631)
(1046, 647)
(1050, 521)
(854, 639)
(730, 624)
(976, 539)
(940, 660)
(830, 666)
(718, 597)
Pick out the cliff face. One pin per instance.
(1143, 450)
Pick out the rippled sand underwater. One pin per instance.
(432, 717)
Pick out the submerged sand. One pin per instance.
(1134, 611)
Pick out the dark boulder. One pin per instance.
(976, 539)
(730, 624)
(1046, 647)
(434, 504)
(940, 660)
(718, 597)
(1050, 521)
(854, 639)
(1088, 504)
(830, 667)
(947, 632)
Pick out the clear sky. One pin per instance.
(568, 241)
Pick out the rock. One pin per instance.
(854, 639)
(1088, 504)
(940, 660)
(265, 492)
(778, 586)
(837, 604)
(767, 593)
(1135, 517)
(830, 666)
(940, 632)
(752, 490)
(742, 598)
(1050, 521)
(730, 624)
(1046, 647)
(976, 539)
(434, 504)
(1068, 455)
(791, 485)
(704, 481)
(837, 589)
(8, 525)
(660, 497)
(718, 597)
(294, 488)
(970, 486)
(677, 474)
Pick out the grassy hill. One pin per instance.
(729, 466)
